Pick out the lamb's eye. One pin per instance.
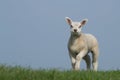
(80, 26)
(71, 26)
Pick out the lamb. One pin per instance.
(80, 44)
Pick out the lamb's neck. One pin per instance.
(75, 36)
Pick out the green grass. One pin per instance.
(19, 73)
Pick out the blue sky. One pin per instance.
(34, 32)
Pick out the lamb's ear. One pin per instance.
(83, 22)
(68, 20)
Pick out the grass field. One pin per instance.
(19, 73)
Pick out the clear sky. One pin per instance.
(34, 32)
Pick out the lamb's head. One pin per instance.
(76, 26)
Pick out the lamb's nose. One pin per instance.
(75, 30)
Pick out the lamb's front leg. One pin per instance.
(79, 58)
(73, 60)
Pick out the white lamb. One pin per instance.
(81, 44)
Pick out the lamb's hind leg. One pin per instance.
(88, 61)
(95, 54)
